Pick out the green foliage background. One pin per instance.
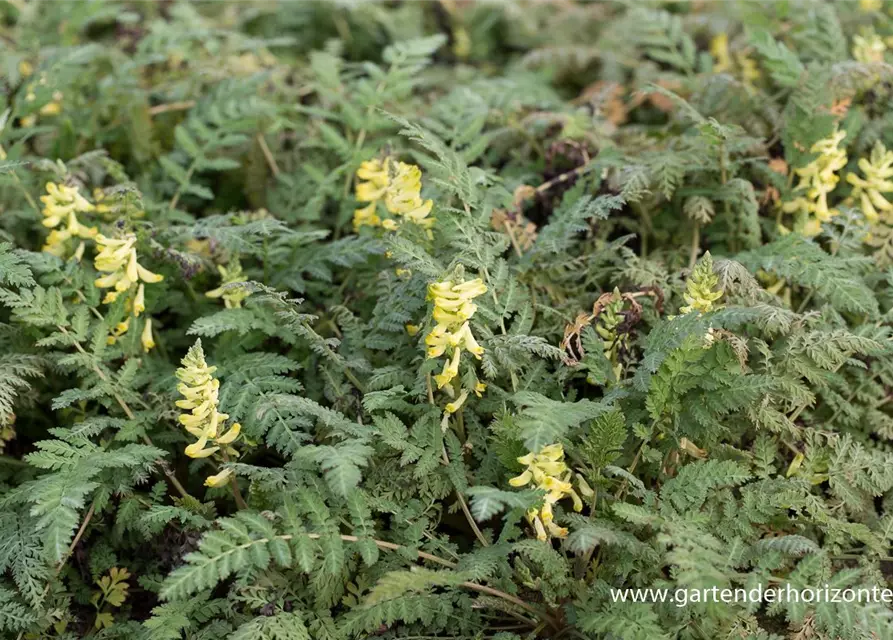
(570, 149)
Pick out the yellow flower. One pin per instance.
(199, 450)
(548, 462)
(817, 180)
(450, 370)
(219, 479)
(404, 198)
(543, 469)
(479, 389)
(719, 49)
(454, 406)
(403, 190)
(412, 329)
(199, 388)
(453, 307)
(139, 303)
(466, 340)
(232, 295)
(51, 109)
(869, 48)
(878, 171)
(118, 258)
(438, 339)
(585, 489)
(374, 174)
(399, 185)
(60, 201)
(868, 6)
(749, 70)
(230, 436)
(146, 337)
(366, 216)
(25, 68)
(63, 203)
(376, 180)
(461, 43)
(119, 330)
(701, 291)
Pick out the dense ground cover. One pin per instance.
(441, 320)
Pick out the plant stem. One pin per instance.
(474, 586)
(268, 155)
(465, 510)
(234, 485)
(77, 538)
(356, 382)
(632, 467)
(171, 106)
(179, 192)
(695, 246)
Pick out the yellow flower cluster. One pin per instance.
(878, 171)
(61, 204)
(818, 179)
(51, 108)
(199, 388)
(117, 258)
(453, 307)
(544, 470)
(701, 287)
(869, 48)
(232, 296)
(399, 186)
(719, 49)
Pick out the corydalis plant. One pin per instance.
(528, 320)
(398, 186)
(199, 389)
(451, 335)
(61, 204)
(125, 275)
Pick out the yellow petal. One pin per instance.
(230, 435)
(553, 451)
(219, 479)
(139, 303)
(523, 479)
(454, 406)
(578, 504)
(132, 265)
(146, 338)
(147, 276)
(540, 530)
(198, 450)
(108, 281)
(527, 459)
